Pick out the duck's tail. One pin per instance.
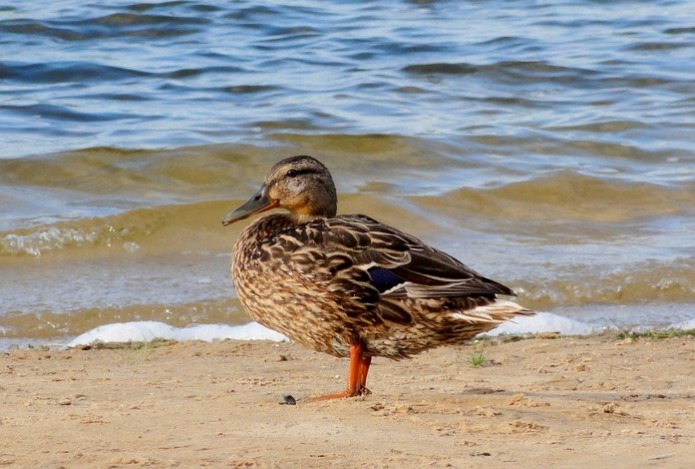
(496, 312)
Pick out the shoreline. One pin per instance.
(147, 330)
(533, 402)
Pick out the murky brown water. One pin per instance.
(563, 240)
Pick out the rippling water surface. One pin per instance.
(547, 144)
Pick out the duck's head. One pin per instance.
(301, 185)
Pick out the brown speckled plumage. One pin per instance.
(347, 284)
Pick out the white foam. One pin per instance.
(685, 325)
(543, 322)
(145, 331)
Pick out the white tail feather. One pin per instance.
(497, 312)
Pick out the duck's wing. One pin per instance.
(400, 265)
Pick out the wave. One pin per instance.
(93, 232)
(109, 26)
(152, 244)
(472, 183)
(166, 227)
(526, 75)
(61, 112)
(48, 324)
(569, 195)
(569, 203)
(65, 71)
(667, 282)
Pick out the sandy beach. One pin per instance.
(562, 402)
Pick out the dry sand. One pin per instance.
(567, 402)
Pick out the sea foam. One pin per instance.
(145, 331)
(148, 330)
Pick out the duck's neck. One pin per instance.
(302, 218)
(268, 225)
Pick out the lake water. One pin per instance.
(549, 145)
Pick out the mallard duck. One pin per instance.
(348, 285)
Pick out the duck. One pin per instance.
(348, 285)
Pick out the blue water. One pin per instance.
(168, 74)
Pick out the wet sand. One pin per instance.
(564, 402)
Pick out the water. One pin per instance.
(549, 145)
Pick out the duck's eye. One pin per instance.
(292, 173)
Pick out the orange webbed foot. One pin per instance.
(357, 377)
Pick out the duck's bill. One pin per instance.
(258, 203)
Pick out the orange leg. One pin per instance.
(357, 376)
(363, 370)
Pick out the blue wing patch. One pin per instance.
(384, 280)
